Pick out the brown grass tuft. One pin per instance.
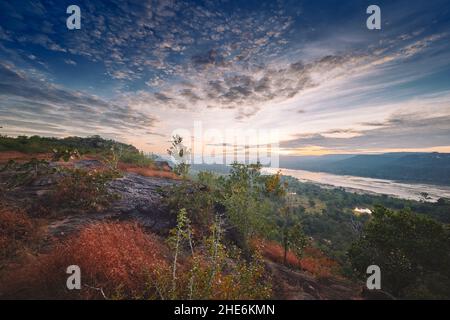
(313, 260)
(148, 171)
(21, 157)
(118, 258)
(17, 233)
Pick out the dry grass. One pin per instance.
(313, 260)
(18, 233)
(127, 263)
(149, 171)
(274, 251)
(21, 157)
(119, 258)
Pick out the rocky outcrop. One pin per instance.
(139, 199)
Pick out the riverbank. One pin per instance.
(409, 191)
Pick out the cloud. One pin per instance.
(408, 130)
(56, 109)
(244, 90)
(216, 80)
(70, 62)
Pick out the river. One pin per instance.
(396, 189)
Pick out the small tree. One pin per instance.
(290, 228)
(180, 155)
(178, 236)
(291, 231)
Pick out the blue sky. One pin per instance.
(311, 70)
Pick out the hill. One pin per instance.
(430, 168)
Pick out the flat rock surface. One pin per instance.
(139, 199)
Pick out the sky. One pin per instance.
(308, 77)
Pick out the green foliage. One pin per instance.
(412, 251)
(36, 144)
(291, 233)
(248, 201)
(198, 200)
(211, 271)
(289, 228)
(180, 234)
(85, 190)
(248, 208)
(332, 223)
(118, 154)
(136, 158)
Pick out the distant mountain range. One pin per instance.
(431, 168)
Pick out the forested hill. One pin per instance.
(431, 168)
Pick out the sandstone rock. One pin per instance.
(141, 199)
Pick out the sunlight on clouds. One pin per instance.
(162, 66)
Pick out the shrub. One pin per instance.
(317, 263)
(244, 197)
(181, 154)
(136, 158)
(17, 232)
(36, 144)
(81, 189)
(242, 281)
(313, 260)
(274, 251)
(412, 250)
(211, 271)
(197, 199)
(117, 260)
(120, 261)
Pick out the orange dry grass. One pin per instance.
(275, 252)
(313, 260)
(148, 172)
(119, 258)
(5, 156)
(17, 231)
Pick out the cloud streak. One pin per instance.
(413, 129)
(58, 110)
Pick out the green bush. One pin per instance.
(84, 190)
(88, 145)
(245, 198)
(136, 158)
(412, 251)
